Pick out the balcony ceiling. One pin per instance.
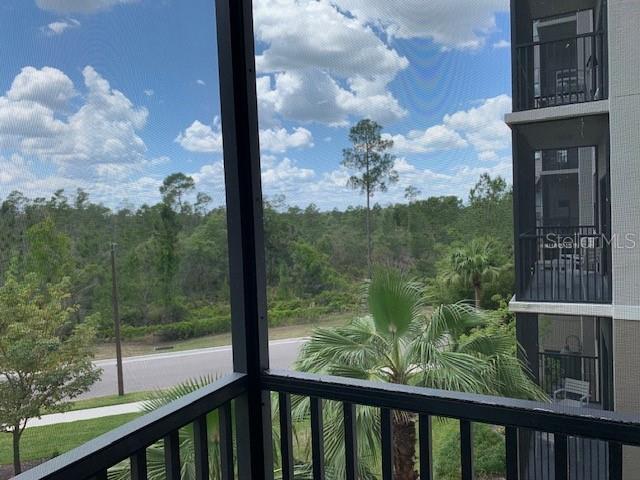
(574, 132)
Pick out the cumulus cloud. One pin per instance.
(279, 140)
(502, 44)
(460, 24)
(37, 119)
(438, 137)
(483, 126)
(79, 6)
(201, 138)
(320, 64)
(59, 27)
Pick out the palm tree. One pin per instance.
(402, 341)
(472, 266)
(155, 453)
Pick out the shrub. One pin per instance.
(488, 444)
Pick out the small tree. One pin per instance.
(41, 368)
(174, 187)
(471, 266)
(369, 156)
(410, 193)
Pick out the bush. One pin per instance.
(488, 444)
(193, 328)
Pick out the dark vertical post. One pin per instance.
(386, 433)
(239, 111)
(350, 441)
(560, 450)
(286, 436)
(172, 456)
(138, 465)
(225, 428)
(466, 450)
(527, 336)
(317, 439)
(615, 461)
(511, 452)
(201, 448)
(426, 448)
(116, 320)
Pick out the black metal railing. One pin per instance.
(518, 418)
(555, 367)
(564, 264)
(560, 72)
(131, 441)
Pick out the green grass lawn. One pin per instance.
(52, 440)
(133, 348)
(110, 400)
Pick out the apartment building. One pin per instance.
(576, 176)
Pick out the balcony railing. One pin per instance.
(563, 428)
(556, 367)
(560, 72)
(564, 264)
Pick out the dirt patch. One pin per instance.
(6, 471)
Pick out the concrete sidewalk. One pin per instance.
(86, 414)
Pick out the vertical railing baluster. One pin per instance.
(172, 455)
(426, 448)
(466, 449)
(103, 475)
(511, 452)
(138, 463)
(201, 448)
(317, 438)
(615, 461)
(286, 436)
(225, 426)
(560, 456)
(350, 441)
(386, 434)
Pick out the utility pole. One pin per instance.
(116, 320)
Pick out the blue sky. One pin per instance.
(113, 95)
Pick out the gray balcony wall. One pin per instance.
(624, 105)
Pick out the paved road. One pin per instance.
(150, 372)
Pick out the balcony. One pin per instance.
(564, 264)
(562, 434)
(560, 72)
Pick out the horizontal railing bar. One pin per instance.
(545, 417)
(567, 355)
(559, 40)
(107, 450)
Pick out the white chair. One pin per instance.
(574, 393)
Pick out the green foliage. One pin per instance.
(369, 155)
(448, 348)
(488, 443)
(43, 368)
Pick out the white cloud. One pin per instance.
(48, 87)
(483, 126)
(438, 137)
(201, 138)
(502, 44)
(59, 27)
(149, 92)
(200, 82)
(79, 6)
(36, 119)
(319, 64)
(459, 24)
(13, 170)
(279, 140)
(313, 95)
